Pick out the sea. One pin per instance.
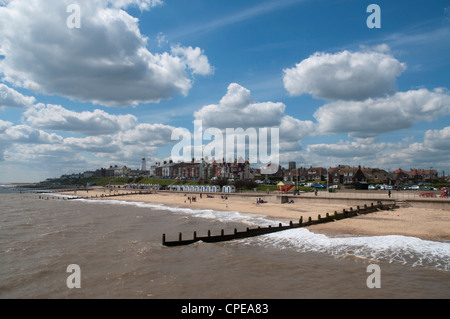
(117, 247)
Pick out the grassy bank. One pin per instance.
(104, 181)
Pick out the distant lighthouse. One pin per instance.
(143, 164)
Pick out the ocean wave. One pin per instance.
(390, 248)
(222, 216)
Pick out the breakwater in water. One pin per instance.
(252, 232)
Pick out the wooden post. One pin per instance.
(180, 237)
(209, 233)
(195, 235)
(164, 239)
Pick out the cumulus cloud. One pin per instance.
(237, 109)
(147, 134)
(26, 134)
(194, 58)
(98, 122)
(377, 115)
(11, 98)
(106, 61)
(143, 5)
(438, 139)
(344, 75)
(391, 155)
(95, 144)
(348, 149)
(292, 131)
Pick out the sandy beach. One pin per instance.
(424, 223)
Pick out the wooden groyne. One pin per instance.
(271, 229)
(96, 196)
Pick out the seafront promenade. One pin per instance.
(419, 199)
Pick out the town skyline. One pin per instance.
(241, 170)
(96, 83)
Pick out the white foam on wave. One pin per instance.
(222, 216)
(58, 195)
(391, 248)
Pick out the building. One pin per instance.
(346, 175)
(379, 176)
(304, 175)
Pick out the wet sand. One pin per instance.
(424, 223)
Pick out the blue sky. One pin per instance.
(113, 90)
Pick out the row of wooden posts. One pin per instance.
(270, 229)
(96, 196)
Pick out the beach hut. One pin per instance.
(208, 189)
(228, 189)
(202, 189)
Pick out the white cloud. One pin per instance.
(194, 58)
(11, 98)
(348, 149)
(106, 61)
(237, 109)
(148, 135)
(438, 139)
(143, 5)
(373, 116)
(98, 122)
(27, 134)
(434, 151)
(100, 144)
(344, 75)
(4, 125)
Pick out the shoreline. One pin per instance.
(423, 223)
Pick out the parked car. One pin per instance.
(372, 187)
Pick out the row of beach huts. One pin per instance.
(184, 188)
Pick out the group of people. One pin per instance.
(192, 199)
(259, 201)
